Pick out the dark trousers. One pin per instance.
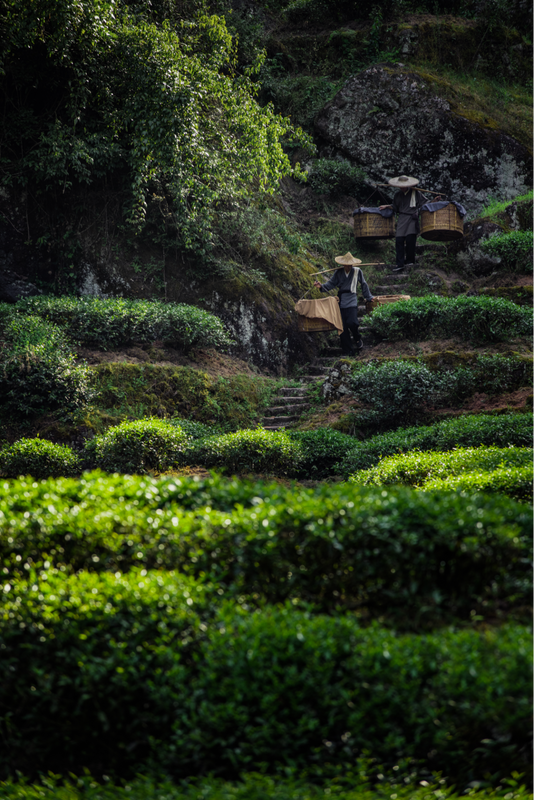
(410, 249)
(349, 317)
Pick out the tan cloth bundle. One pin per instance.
(327, 308)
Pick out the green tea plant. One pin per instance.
(247, 450)
(477, 319)
(137, 447)
(415, 468)
(115, 660)
(514, 248)
(397, 391)
(470, 430)
(38, 458)
(111, 322)
(395, 551)
(515, 482)
(321, 450)
(38, 371)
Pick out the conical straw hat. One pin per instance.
(403, 182)
(348, 258)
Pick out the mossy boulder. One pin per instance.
(391, 120)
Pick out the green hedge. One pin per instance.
(113, 672)
(415, 468)
(473, 430)
(516, 482)
(38, 371)
(38, 458)
(320, 451)
(515, 249)
(398, 552)
(137, 447)
(477, 319)
(111, 322)
(247, 450)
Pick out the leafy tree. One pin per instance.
(100, 88)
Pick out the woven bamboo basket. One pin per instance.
(444, 225)
(314, 324)
(373, 226)
(383, 299)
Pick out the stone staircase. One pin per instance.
(290, 403)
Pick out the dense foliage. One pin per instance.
(368, 784)
(473, 430)
(340, 545)
(515, 482)
(477, 319)
(115, 659)
(38, 371)
(141, 95)
(320, 451)
(515, 249)
(416, 468)
(334, 177)
(248, 450)
(112, 322)
(38, 458)
(140, 446)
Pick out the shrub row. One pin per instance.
(514, 248)
(154, 445)
(111, 322)
(114, 672)
(38, 371)
(474, 430)
(397, 551)
(477, 319)
(516, 482)
(400, 390)
(415, 468)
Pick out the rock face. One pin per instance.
(390, 121)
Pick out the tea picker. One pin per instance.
(444, 220)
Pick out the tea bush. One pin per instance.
(140, 446)
(38, 458)
(477, 319)
(321, 449)
(515, 482)
(112, 322)
(397, 390)
(473, 430)
(515, 249)
(248, 450)
(120, 671)
(398, 551)
(38, 372)
(413, 469)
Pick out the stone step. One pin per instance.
(274, 410)
(317, 369)
(279, 420)
(289, 401)
(311, 378)
(290, 390)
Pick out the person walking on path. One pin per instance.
(406, 204)
(346, 280)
